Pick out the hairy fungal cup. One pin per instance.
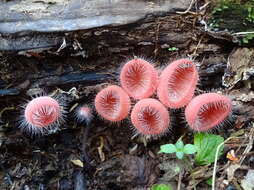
(42, 114)
(139, 78)
(150, 117)
(84, 114)
(112, 103)
(177, 83)
(207, 111)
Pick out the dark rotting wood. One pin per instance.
(26, 25)
(66, 79)
(9, 92)
(61, 15)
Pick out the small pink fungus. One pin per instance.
(112, 103)
(150, 117)
(41, 114)
(207, 111)
(84, 114)
(139, 78)
(177, 83)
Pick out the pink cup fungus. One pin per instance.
(139, 78)
(207, 111)
(84, 114)
(112, 103)
(177, 83)
(42, 114)
(150, 117)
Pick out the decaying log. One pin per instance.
(20, 20)
(51, 57)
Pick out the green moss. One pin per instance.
(234, 16)
(247, 38)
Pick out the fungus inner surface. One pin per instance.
(137, 78)
(149, 120)
(179, 83)
(110, 103)
(211, 114)
(45, 116)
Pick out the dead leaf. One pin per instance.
(248, 182)
(100, 149)
(78, 163)
(231, 171)
(231, 156)
(141, 171)
(239, 66)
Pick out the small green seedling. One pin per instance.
(209, 181)
(161, 187)
(179, 148)
(247, 38)
(173, 49)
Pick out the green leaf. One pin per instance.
(173, 49)
(179, 145)
(206, 145)
(179, 154)
(209, 181)
(167, 148)
(161, 187)
(189, 149)
(245, 40)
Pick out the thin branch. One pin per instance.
(180, 180)
(242, 33)
(189, 8)
(216, 160)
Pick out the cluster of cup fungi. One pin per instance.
(153, 92)
(174, 88)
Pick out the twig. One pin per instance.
(247, 149)
(156, 39)
(180, 180)
(189, 8)
(216, 159)
(204, 6)
(197, 46)
(249, 146)
(242, 33)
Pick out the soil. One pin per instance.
(109, 157)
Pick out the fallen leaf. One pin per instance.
(139, 170)
(231, 171)
(78, 163)
(248, 182)
(231, 156)
(100, 149)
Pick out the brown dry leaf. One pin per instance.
(140, 171)
(200, 172)
(248, 182)
(231, 156)
(231, 171)
(100, 149)
(239, 66)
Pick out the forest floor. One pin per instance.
(119, 160)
